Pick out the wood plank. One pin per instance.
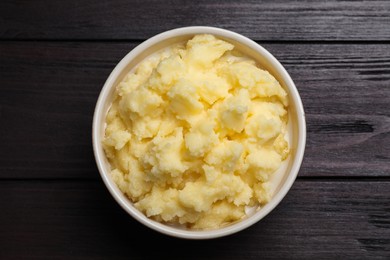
(261, 20)
(321, 219)
(345, 91)
(49, 90)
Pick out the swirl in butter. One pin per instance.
(194, 133)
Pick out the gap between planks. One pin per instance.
(314, 42)
(299, 179)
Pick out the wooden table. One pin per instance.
(54, 58)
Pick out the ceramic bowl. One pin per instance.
(285, 177)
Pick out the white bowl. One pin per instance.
(297, 125)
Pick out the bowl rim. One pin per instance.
(99, 115)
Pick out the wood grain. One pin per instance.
(76, 219)
(49, 90)
(279, 20)
(56, 55)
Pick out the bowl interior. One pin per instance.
(281, 181)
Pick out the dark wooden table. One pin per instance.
(54, 58)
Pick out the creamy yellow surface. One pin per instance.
(195, 132)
